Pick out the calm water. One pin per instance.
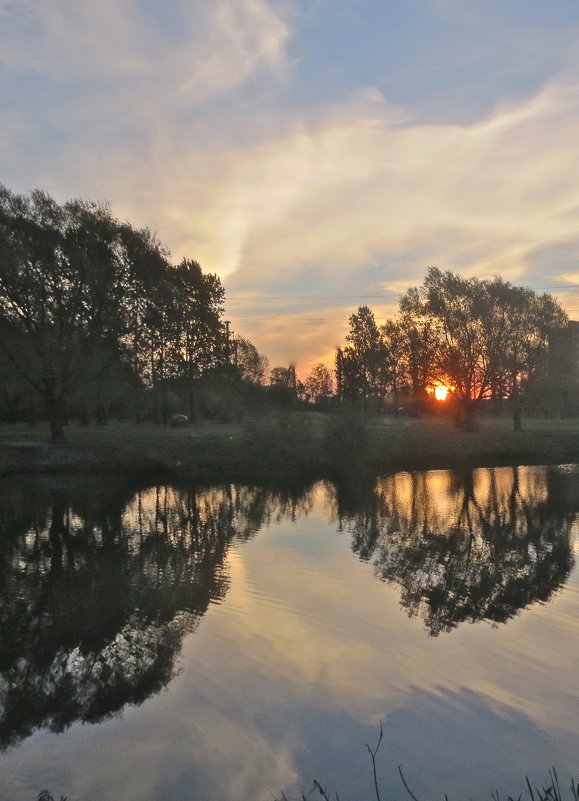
(228, 643)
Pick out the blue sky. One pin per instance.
(317, 155)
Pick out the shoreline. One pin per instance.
(288, 448)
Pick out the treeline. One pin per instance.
(95, 320)
(484, 342)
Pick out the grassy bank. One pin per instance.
(290, 443)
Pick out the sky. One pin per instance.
(315, 154)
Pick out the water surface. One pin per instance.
(231, 642)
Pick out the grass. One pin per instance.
(548, 791)
(290, 442)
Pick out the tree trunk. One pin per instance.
(516, 402)
(467, 414)
(32, 411)
(83, 416)
(517, 423)
(55, 411)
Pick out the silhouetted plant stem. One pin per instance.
(410, 793)
(373, 757)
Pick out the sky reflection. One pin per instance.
(290, 673)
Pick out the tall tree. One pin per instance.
(61, 282)
(251, 364)
(488, 336)
(198, 341)
(81, 292)
(362, 369)
(319, 384)
(414, 345)
(523, 326)
(459, 310)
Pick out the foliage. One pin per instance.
(489, 336)
(412, 346)
(319, 385)
(85, 298)
(283, 377)
(362, 365)
(251, 364)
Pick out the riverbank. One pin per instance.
(292, 443)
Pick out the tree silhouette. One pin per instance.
(362, 367)
(60, 286)
(83, 296)
(319, 385)
(485, 337)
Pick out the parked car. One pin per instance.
(179, 420)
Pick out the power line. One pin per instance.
(387, 293)
(304, 297)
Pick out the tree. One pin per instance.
(82, 295)
(61, 282)
(283, 377)
(553, 388)
(487, 337)
(523, 326)
(413, 346)
(251, 364)
(459, 311)
(319, 384)
(197, 340)
(361, 367)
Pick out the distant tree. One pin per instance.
(284, 387)
(251, 364)
(319, 385)
(361, 366)
(284, 376)
(553, 388)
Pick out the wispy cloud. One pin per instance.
(183, 126)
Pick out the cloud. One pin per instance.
(354, 186)
(183, 126)
(199, 53)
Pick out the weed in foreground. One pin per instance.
(550, 791)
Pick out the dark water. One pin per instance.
(233, 642)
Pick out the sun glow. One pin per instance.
(440, 393)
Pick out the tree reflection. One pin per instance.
(463, 546)
(98, 588)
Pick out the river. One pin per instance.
(233, 642)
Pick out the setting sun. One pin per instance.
(440, 393)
